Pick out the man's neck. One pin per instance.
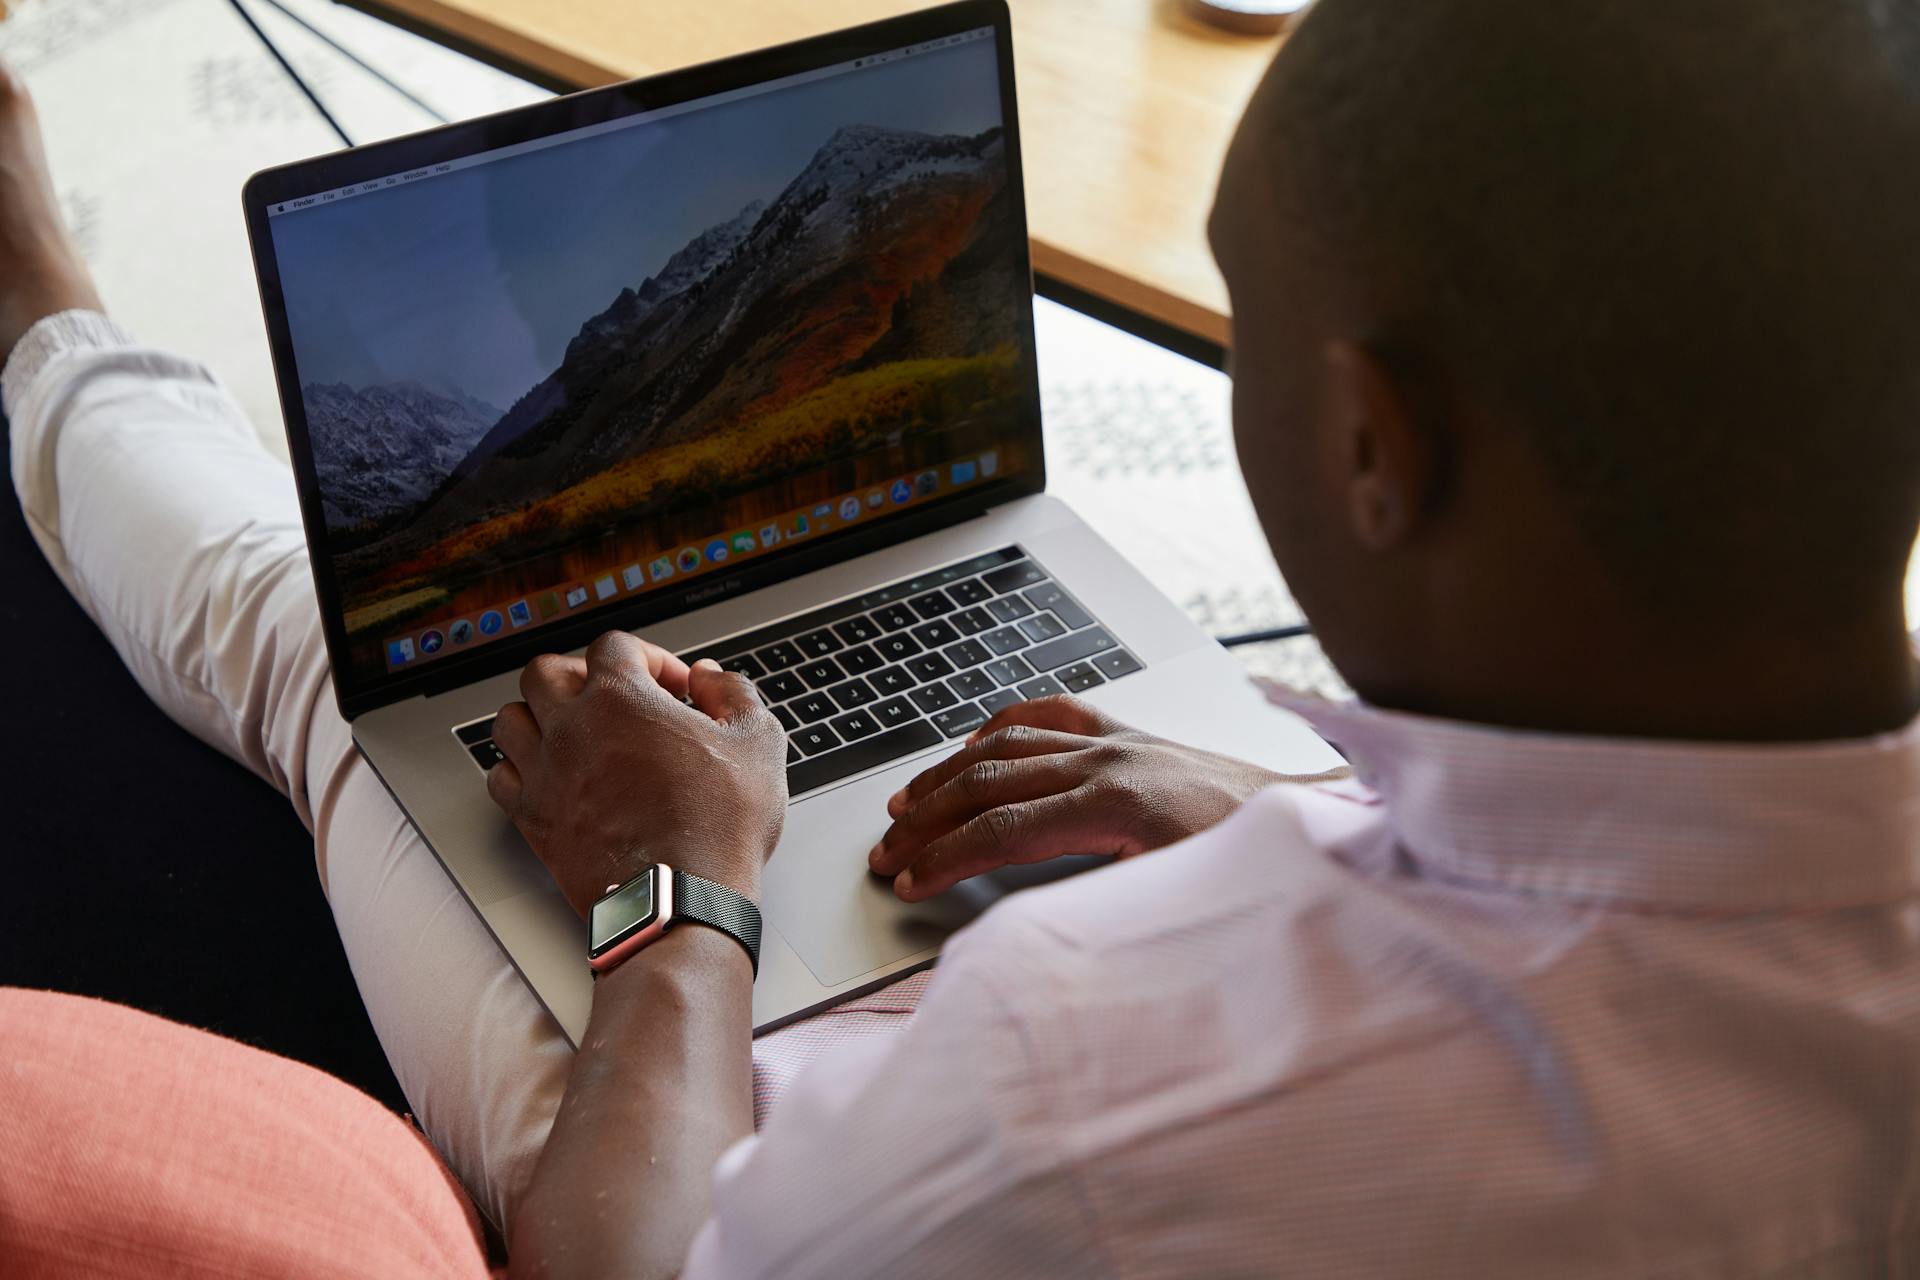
(1807, 683)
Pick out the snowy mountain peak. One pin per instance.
(378, 450)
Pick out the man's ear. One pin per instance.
(1385, 453)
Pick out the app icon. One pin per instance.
(717, 550)
(576, 596)
(634, 577)
(799, 528)
(962, 473)
(400, 652)
(927, 482)
(661, 569)
(770, 536)
(549, 604)
(989, 463)
(743, 542)
(605, 587)
(491, 622)
(875, 497)
(850, 509)
(430, 641)
(460, 632)
(689, 559)
(823, 512)
(901, 493)
(518, 613)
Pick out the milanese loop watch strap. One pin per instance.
(719, 907)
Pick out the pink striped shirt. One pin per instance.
(1514, 1005)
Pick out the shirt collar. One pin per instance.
(1723, 827)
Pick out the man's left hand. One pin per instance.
(608, 770)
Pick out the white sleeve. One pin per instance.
(925, 1154)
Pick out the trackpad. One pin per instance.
(841, 918)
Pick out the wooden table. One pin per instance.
(1126, 108)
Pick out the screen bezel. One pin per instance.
(357, 693)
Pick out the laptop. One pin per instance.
(741, 358)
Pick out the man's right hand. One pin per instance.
(40, 269)
(1054, 777)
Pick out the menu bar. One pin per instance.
(386, 182)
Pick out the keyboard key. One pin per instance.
(960, 720)
(1043, 687)
(854, 693)
(934, 604)
(972, 684)
(928, 666)
(821, 673)
(860, 724)
(1042, 626)
(972, 591)
(816, 738)
(778, 657)
(994, 703)
(1079, 677)
(891, 680)
(1009, 671)
(781, 687)
(1013, 576)
(1009, 608)
(818, 644)
(895, 617)
(485, 754)
(1070, 648)
(968, 653)
(812, 709)
(896, 648)
(1048, 595)
(1004, 641)
(793, 752)
(971, 622)
(934, 634)
(893, 712)
(477, 732)
(859, 661)
(787, 719)
(857, 630)
(883, 748)
(1116, 664)
(934, 697)
(745, 664)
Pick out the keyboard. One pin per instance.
(894, 671)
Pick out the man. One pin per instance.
(1574, 386)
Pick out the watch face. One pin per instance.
(620, 913)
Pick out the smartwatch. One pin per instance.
(638, 913)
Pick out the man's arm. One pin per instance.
(607, 771)
(661, 1088)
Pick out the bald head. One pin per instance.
(1669, 248)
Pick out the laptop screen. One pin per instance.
(556, 376)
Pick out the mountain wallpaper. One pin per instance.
(860, 323)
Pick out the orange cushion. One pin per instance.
(132, 1146)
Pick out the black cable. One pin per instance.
(352, 57)
(287, 67)
(1265, 637)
